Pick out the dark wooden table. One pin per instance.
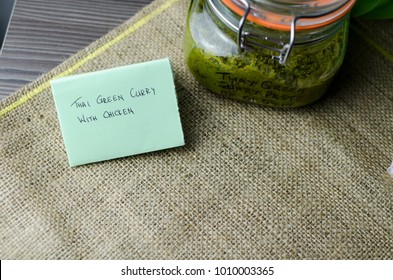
(43, 33)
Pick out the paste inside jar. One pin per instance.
(213, 59)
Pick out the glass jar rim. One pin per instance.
(312, 14)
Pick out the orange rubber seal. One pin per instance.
(283, 22)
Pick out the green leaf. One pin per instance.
(364, 6)
(381, 12)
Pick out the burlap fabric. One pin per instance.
(251, 182)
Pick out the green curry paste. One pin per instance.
(254, 76)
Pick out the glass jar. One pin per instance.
(278, 53)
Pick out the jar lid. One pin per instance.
(279, 14)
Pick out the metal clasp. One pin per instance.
(286, 48)
(243, 43)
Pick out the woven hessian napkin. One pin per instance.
(250, 183)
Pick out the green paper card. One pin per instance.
(118, 112)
